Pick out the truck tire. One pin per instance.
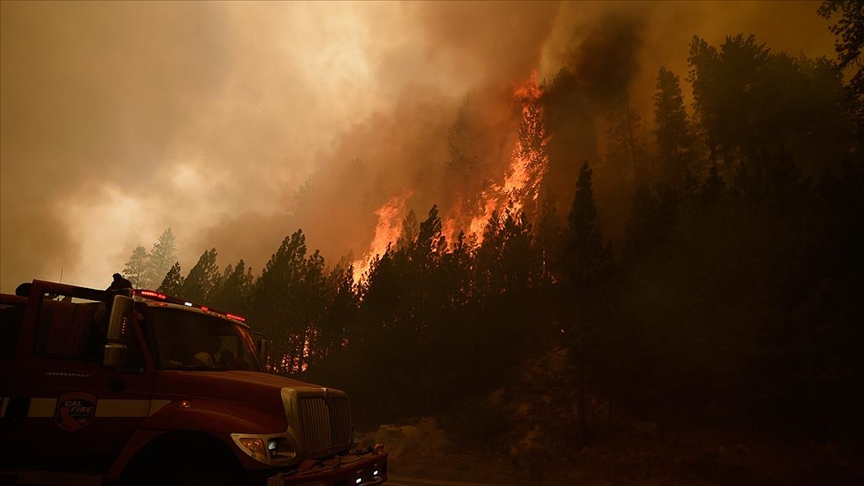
(184, 460)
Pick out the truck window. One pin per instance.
(71, 328)
(11, 319)
(194, 341)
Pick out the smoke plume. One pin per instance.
(237, 123)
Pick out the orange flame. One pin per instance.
(521, 184)
(387, 231)
(528, 161)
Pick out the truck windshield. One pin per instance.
(194, 341)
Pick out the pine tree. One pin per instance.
(585, 247)
(587, 263)
(626, 165)
(548, 234)
(674, 136)
(162, 257)
(341, 313)
(713, 186)
(289, 301)
(488, 270)
(849, 44)
(464, 169)
(461, 163)
(520, 263)
(409, 231)
(136, 268)
(232, 294)
(172, 284)
(568, 111)
(198, 285)
(430, 242)
(626, 154)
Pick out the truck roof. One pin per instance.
(146, 296)
(158, 299)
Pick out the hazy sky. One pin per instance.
(118, 120)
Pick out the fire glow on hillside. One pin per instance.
(386, 232)
(521, 185)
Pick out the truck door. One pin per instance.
(79, 414)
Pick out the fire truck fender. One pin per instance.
(139, 439)
(199, 458)
(201, 419)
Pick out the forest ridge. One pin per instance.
(732, 283)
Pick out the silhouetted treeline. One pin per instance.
(733, 292)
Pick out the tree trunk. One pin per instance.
(583, 413)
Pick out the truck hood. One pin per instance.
(240, 378)
(238, 390)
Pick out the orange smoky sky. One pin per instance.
(236, 124)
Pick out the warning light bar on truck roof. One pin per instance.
(152, 294)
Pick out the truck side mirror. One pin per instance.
(120, 320)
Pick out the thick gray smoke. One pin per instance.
(118, 120)
(607, 59)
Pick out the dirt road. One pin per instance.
(406, 481)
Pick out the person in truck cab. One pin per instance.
(209, 356)
(227, 361)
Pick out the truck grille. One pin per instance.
(326, 422)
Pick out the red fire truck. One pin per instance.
(137, 387)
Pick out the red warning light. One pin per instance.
(235, 317)
(150, 293)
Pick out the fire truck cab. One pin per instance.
(137, 387)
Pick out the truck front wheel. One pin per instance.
(184, 460)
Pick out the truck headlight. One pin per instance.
(274, 450)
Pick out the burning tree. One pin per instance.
(518, 191)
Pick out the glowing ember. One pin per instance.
(388, 230)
